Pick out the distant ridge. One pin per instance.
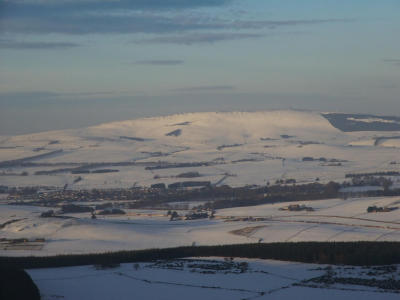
(355, 122)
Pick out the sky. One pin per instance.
(75, 63)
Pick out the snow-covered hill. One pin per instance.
(251, 147)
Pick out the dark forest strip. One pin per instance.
(347, 253)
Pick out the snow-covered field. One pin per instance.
(331, 220)
(215, 278)
(250, 147)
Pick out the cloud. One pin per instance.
(388, 86)
(30, 94)
(125, 17)
(20, 45)
(96, 24)
(161, 21)
(281, 23)
(161, 62)
(136, 22)
(100, 16)
(393, 61)
(199, 38)
(67, 6)
(205, 88)
(46, 95)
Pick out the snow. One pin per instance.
(372, 120)
(252, 148)
(262, 137)
(263, 279)
(331, 220)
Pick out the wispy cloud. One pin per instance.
(36, 95)
(388, 86)
(101, 16)
(199, 38)
(137, 22)
(160, 62)
(205, 88)
(281, 23)
(21, 45)
(66, 6)
(127, 17)
(392, 61)
(161, 21)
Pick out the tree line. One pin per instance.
(16, 284)
(346, 253)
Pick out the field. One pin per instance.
(216, 278)
(330, 220)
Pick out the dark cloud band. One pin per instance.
(160, 62)
(21, 45)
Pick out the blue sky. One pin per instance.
(70, 63)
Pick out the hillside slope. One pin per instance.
(244, 147)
